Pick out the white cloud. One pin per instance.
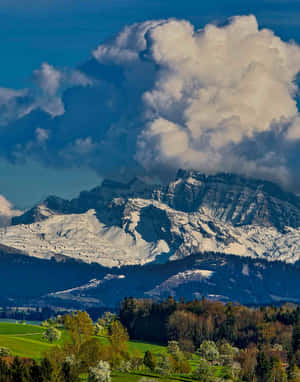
(41, 135)
(7, 211)
(10, 105)
(219, 85)
(48, 79)
(51, 83)
(211, 90)
(162, 95)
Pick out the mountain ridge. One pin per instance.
(119, 224)
(187, 193)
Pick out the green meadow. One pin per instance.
(23, 340)
(27, 341)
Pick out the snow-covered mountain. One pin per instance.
(252, 227)
(136, 223)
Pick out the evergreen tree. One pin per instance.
(4, 372)
(46, 369)
(150, 360)
(263, 367)
(296, 337)
(18, 371)
(35, 373)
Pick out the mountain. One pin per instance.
(230, 198)
(234, 199)
(63, 282)
(120, 224)
(247, 230)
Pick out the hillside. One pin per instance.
(221, 236)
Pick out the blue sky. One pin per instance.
(63, 33)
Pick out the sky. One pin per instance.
(64, 33)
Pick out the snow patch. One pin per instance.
(180, 279)
(92, 284)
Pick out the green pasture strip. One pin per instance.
(10, 328)
(144, 346)
(25, 340)
(34, 337)
(24, 347)
(141, 346)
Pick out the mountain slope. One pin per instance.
(136, 223)
(231, 198)
(234, 199)
(224, 236)
(67, 283)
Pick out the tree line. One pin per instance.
(266, 338)
(205, 341)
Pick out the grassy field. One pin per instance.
(23, 340)
(15, 329)
(143, 347)
(27, 341)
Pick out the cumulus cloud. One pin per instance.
(162, 95)
(7, 211)
(218, 87)
(6, 208)
(13, 104)
(49, 85)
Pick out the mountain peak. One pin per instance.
(229, 197)
(136, 222)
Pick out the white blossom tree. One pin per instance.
(100, 373)
(52, 334)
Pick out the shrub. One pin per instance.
(164, 366)
(209, 351)
(173, 348)
(204, 372)
(52, 334)
(100, 373)
(150, 360)
(5, 352)
(125, 366)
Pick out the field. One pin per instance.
(23, 340)
(27, 341)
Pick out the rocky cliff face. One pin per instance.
(136, 223)
(234, 199)
(230, 198)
